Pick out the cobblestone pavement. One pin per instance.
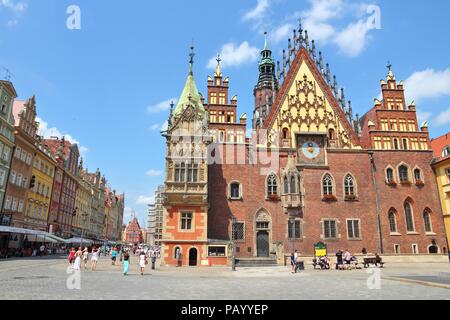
(47, 279)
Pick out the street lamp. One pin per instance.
(233, 239)
(292, 230)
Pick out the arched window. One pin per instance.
(327, 185)
(285, 133)
(349, 186)
(293, 187)
(235, 190)
(392, 221)
(286, 185)
(272, 185)
(417, 175)
(409, 217)
(390, 175)
(403, 173)
(331, 134)
(427, 221)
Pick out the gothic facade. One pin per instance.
(311, 172)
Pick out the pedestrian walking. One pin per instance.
(85, 257)
(77, 263)
(126, 263)
(292, 263)
(347, 259)
(340, 260)
(71, 257)
(114, 255)
(142, 262)
(94, 258)
(153, 255)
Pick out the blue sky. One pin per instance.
(107, 85)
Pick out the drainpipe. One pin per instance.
(377, 202)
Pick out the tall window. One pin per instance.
(327, 185)
(392, 222)
(353, 230)
(396, 144)
(390, 175)
(235, 190)
(192, 172)
(349, 186)
(182, 172)
(405, 144)
(177, 172)
(294, 229)
(286, 185)
(237, 231)
(272, 185)
(409, 217)
(329, 229)
(403, 173)
(427, 221)
(293, 188)
(186, 221)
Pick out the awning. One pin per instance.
(41, 238)
(28, 232)
(79, 241)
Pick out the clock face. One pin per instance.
(310, 149)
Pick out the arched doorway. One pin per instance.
(193, 257)
(263, 229)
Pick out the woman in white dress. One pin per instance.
(78, 255)
(94, 258)
(142, 261)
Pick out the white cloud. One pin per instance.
(154, 173)
(161, 106)
(423, 116)
(443, 118)
(258, 12)
(13, 22)
(48, 132)
(352, 40)
(428, 83)
(233, 55)
(145, 200)
(165, 126)
(281, 33)
(156, 126)
(13, 6)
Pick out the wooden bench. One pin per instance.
(373, 261)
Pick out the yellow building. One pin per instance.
(39, 196)
(442, 170)
(83, 205)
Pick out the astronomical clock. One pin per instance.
(311, 149)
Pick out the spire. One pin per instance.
(190, 95)
(218, 72)
(321, 61)
(266, 46)
(390, 75)
(328, 74)
(335, 86)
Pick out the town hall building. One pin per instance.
(311, 172)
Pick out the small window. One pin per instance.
(390, 175)
(349, 186)
(262, 225)
(235, 190)
(448, 174)
(331, 135)
(403, 173)
(272, 185)
(418, 175)
(327, 185)
(294, 229)
(330, 229)
(186, 221)
(353, 231)
(415, 249)
(285, 133)
(397, 249)
(237, 232)
(446, 151)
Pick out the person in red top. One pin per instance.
(72, 256)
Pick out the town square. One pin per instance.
(289, 144)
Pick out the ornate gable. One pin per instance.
(306, 104)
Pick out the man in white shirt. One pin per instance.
(42, 250)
